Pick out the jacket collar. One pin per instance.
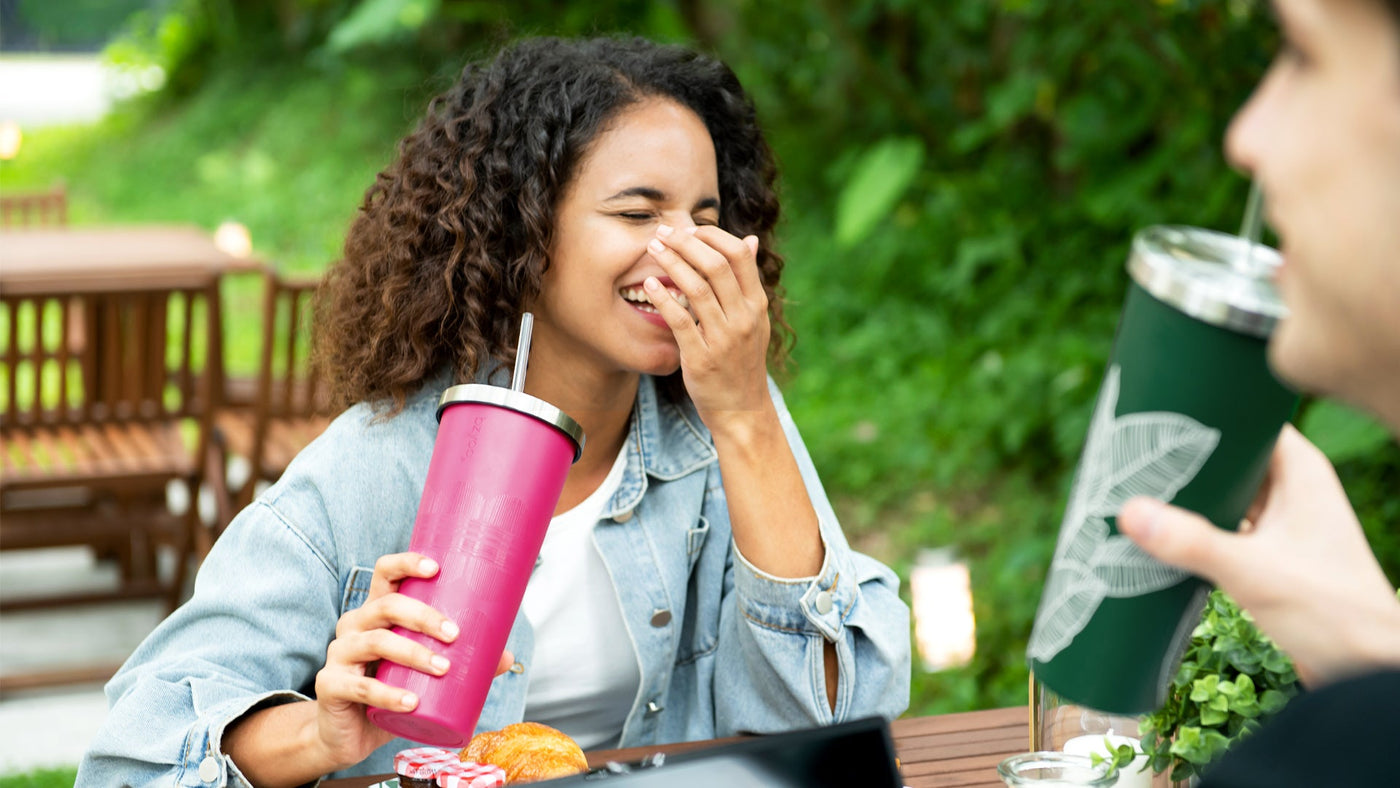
(665, 440)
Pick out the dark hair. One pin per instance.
(453, 238)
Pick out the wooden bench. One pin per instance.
(91, 441)
(34, 209)
(288, 405)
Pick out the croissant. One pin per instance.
(527, 751)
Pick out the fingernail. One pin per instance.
(652, 283)
(440, 663)
(428, 566)
(656, 245)
(408, 701)
(664, 230)
(449, 630)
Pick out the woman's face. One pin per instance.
(1322, 136)
(654, 164)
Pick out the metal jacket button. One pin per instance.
(660, 618)
(823, 602)
(622, 517)
(209, 769)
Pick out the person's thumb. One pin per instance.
(506, 662)
(1175, 536)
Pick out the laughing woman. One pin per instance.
(694, 582)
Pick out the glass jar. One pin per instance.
(1053, 770)
(1059, 725)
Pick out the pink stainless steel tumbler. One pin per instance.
(496, 473)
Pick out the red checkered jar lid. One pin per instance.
(421, 763)
(471, 775)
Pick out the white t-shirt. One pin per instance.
(585, 676)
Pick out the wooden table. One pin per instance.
(110, 259)
(943, 751)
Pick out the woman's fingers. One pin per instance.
(715, 255)
(742, 254)
(390, 570)
(397, 610)
(353, 687)
(363, 648)
(699, 291)
(682, 325)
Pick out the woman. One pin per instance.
(1322, 136)
(623, 193)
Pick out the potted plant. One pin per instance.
(1232, 677)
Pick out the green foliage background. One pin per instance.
(961, 181)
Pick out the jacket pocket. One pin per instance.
(356, 588)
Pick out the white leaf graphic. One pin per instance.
(1155, 454)
(1126, 570)
(1079, 592)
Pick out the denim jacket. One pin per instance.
(740, 651)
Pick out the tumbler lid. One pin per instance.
(1210, 276)
(516, 401)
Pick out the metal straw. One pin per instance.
(522, 352)
(1253, 223)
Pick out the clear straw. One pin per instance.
(1253, 223)
(522, 352)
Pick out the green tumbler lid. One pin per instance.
(1211, 276)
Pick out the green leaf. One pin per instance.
(1272, 701)
(1228, 689)
(882, 176)
(1203, 689)
(379, 22)
(1276, 661)
(1341, 432)
(1216, 712)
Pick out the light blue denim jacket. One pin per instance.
(741, 651)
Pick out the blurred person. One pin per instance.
(1321, 134)
(623, 192)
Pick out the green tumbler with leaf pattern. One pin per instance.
(1188, 412)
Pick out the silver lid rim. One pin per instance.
(1190, 296)
(517, 401)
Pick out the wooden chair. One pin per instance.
(92, 432)
(35, 209)
(289, 403)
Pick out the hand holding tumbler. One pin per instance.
(496, 474)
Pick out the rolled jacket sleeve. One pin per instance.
(245, 637)
(774, 632)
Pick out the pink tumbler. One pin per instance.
(496, 473)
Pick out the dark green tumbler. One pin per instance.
(1188, 412)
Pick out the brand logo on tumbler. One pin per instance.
(474, 436)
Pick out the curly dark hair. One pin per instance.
(454, 237)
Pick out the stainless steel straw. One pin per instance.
(1253, 223)
(522, 352)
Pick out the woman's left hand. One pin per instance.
(723, 338)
